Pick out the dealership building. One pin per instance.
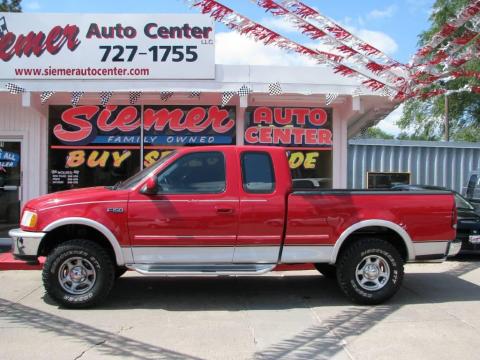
(90, 104)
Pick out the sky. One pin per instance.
(390, 25)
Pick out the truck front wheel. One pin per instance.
(370, 271)
(78, 273)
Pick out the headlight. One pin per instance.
(29, 219)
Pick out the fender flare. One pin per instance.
(407, 240)
(93, 224)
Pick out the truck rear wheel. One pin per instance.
(78, 273)
(370, 271)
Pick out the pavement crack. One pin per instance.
(26, 295)
(102, 342)
(90, 348)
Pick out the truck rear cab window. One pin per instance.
(196, 173)
(257, 172)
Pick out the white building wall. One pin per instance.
(30, 126)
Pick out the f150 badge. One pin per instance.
(117, 210)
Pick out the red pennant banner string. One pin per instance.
(311, 31)
(334, 41)
(349, 52)
(337, 31)
(449, 52)
(466, 14)
(373, 84)
(442, 64)
(245, 26)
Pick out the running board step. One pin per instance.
(201, 269)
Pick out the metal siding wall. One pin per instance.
(428, 164)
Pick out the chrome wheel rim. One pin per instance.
(372, 273)
(77, 275)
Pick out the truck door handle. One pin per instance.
(222, 210)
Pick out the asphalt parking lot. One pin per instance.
(294, 315)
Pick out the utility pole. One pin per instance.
(447, 130)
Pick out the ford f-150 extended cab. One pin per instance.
(226, 210)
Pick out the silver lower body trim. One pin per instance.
(306, 254)
(256, 254)
(201, 269)
(182, 254)
(429, 248)
(25, 243)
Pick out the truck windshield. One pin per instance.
(135, 179)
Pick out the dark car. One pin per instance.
(468, 224)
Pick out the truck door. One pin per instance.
(194, 216)
(262, 207)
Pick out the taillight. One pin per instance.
(454, 216)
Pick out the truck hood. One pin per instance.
(76, 196)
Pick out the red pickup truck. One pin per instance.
(226, 210)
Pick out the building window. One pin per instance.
(385, 180)
(311, 169)
(305, 132)
(91, 145)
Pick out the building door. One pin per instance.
(10, 185)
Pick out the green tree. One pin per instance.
(10, 6)
(407, 136)
(374, 133)
(425, 118)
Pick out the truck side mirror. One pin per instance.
(151, 186)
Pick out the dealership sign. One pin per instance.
(106, 46)
(162, 125)
(289, 126)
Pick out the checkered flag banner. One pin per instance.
(14, 89)
(194, 94)
(44, 96)
(105, 97)
(165, 95)
(244, 90)
(3, 27)
(227, 96)
(275, 89)
(134, 96)
(330, 98)
(76, 95)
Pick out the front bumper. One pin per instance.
(25, 244)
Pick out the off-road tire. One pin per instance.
(95, 255)
(327, 270)
(352, 257)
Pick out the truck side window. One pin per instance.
(257, 172)
(196, 173)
